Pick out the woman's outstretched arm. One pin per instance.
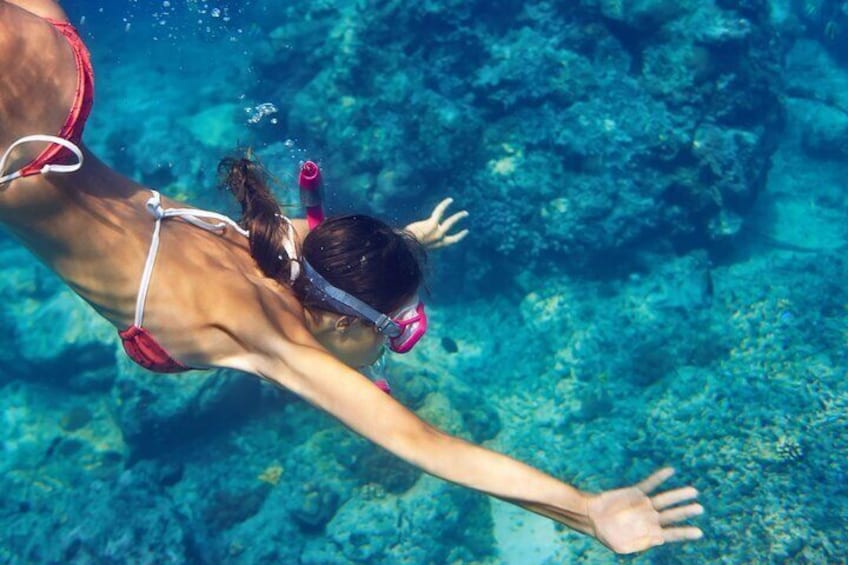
(626, 520)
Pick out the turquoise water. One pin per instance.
(655, 276)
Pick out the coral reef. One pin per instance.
(654, 276)
(612, 122)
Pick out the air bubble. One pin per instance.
(260, 111)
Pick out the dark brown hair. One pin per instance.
(366, 258)
(261, 214)
(357, 253)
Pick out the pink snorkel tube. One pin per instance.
(405, 326)
(309, 182)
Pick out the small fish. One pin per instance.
(52, 447)
(449, 345)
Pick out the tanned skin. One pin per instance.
(210, 306)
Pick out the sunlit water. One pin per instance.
(726, 361)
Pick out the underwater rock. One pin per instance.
(226, 508)
(824, 131)
(379, 467)
(111, 521)
(170, 473)
(157, 411)
(731, 167)
(725, 32)
(313, 505)
(57, 338)
(479, 417)
(636, 335)
(594, 403)
(827, 21)
(283, 536)
(76, 418)
(365, 529)
(524, 68)
(350, 460)
(643, 16)
(438, 520)
(550, 310)
(416, 384)
(439, 410)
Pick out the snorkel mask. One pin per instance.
(404, 327)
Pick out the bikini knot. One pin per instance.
(154, 206)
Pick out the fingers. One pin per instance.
(440, 208)
(655, 480)
(438, 237)
(450, 222)
(450, 239)
(668, 535)
(672, 497)
(689, 533)
(679, 514)
(439, 211)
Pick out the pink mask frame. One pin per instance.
(412, 321)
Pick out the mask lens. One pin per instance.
(413, 324)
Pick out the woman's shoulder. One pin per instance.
(246, 318)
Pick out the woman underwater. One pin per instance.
(189, 289)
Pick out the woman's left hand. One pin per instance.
(628, 520)
(432, 233)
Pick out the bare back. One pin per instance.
(92, 228)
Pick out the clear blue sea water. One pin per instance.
(626, 299)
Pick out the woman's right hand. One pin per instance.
(627, 520)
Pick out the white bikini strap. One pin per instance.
(47, 168)
(153, 203)
(192, 216)
(291, 251)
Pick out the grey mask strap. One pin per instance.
(350, 304)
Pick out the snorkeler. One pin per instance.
(189, 289)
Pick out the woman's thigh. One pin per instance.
(41, 8)
(39, 78)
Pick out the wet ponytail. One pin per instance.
(358, 254)
(261, 215)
